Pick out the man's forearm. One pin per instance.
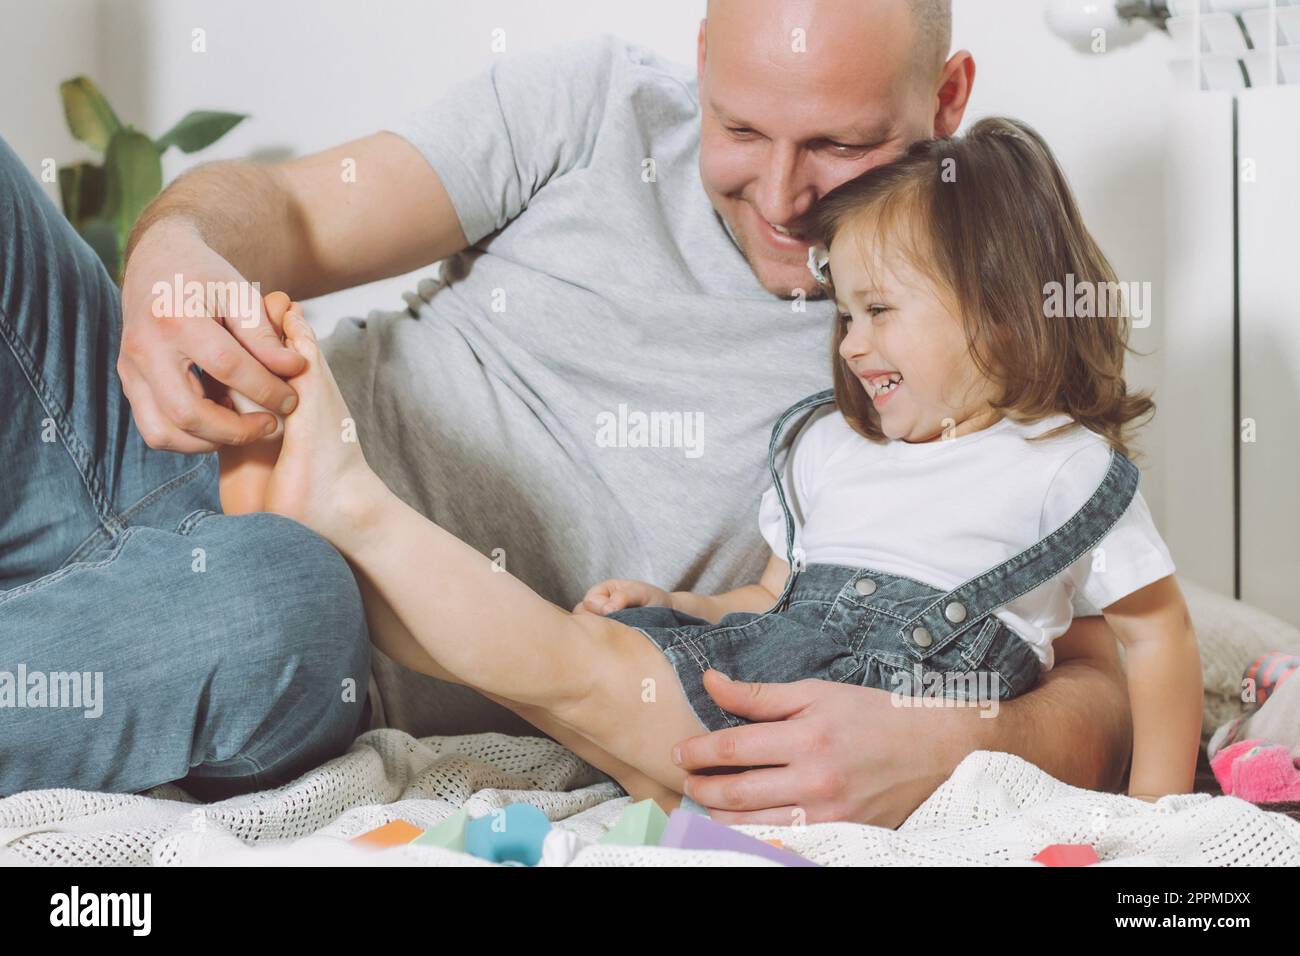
(244, 215)
(1075, 724)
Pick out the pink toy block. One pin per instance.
(1067, 854)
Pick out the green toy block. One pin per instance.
(449, 834)
(642, 824)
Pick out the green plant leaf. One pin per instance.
(82, 188)
(101, 235)
(199, 129)
(134, 174)
(70, 192)
(89, 116)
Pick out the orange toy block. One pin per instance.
(396, 833)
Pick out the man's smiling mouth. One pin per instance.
(778, 233)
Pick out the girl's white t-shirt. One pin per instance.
(943, 512)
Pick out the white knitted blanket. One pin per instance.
(995, 809)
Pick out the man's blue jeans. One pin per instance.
(144, 636)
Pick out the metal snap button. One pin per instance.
(865, 586)
(955, 612)
(922, 637)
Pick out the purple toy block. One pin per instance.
(690, 831)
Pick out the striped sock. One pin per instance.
(1268, 671)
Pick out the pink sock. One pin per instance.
(1258, 772)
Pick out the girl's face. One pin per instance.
(899, 330)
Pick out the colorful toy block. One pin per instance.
(449, 834)
(1067, 854)
(690, 831)
(641, 824)
(689, 804)
(513, 834)
(395, 833)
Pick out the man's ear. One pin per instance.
(700, 47)
(955, 82)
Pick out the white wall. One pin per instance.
(1104, 117)
(317, 72)
(40, 46)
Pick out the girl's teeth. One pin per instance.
(886, 386)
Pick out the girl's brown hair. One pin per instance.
(990, 218)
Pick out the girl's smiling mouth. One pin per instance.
(880, 384)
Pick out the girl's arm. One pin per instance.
(1164, 685)
(755, 598)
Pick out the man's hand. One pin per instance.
(841, 752)
(169, 403)
(825, 751)
(616, 594)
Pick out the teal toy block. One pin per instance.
(689, 804)
(513, 834)
(641, 824)
(449, 834)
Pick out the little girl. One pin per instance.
(939, 510)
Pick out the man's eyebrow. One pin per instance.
(871, 135)
(727, 116)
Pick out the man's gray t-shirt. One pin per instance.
(601, 308)
(590, 391)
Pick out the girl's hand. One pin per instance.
(616, 594)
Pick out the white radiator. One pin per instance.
(1231, 402)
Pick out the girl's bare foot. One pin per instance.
(320, 477)
(246, 469)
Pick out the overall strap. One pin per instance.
(812, 401)
(964, 605)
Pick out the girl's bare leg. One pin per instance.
(602, 680)
(392, 637)
(485, 627)
(596, 685)
(638, 785)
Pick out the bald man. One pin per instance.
(588, 390)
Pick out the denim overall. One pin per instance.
(868, 627)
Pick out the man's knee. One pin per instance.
(308, 613)
(291, 585)
(302, 651)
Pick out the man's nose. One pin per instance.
(784, 193)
